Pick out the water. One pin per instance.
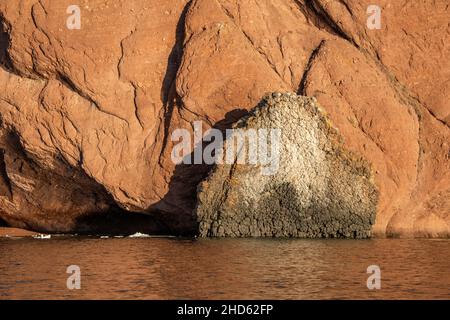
(161, 268)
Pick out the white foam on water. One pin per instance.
(139, 235)
(42, 236)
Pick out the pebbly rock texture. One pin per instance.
(87, 115)
(318, 190)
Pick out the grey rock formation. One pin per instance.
(319, 189)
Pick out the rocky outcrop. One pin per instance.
(87, 115)
(316, 190)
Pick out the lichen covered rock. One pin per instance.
(318, 190)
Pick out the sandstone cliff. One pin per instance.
(86, 115)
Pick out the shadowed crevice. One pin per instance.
(302, 87)
(5, 183)
(319, 17)
(169, 96)
(5, 61)
(175, 57)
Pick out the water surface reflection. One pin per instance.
(223, 268)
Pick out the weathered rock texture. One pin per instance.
(87, 114)
(319, 190)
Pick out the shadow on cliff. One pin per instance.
(175, 210)
(5, 61)
(174, 59)
(177, 207)
(4, 42)
(78, 203)
(168, 88)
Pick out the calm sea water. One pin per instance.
(161, 268)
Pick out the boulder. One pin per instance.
(315, 188)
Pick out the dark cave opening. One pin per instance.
(3, 223)
(118, 222)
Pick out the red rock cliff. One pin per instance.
(86, 115)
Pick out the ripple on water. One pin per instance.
(163, 268)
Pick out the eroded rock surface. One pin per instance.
(91, 111)
(318, 190)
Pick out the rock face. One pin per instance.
(87, 115)
(317, 190)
